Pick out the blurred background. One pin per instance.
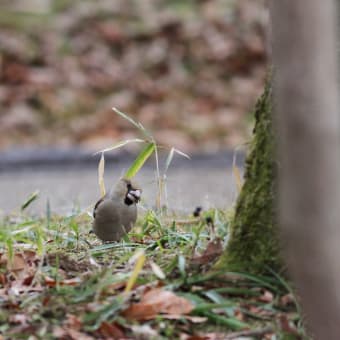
(190, 71)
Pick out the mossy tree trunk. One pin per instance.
(253, 244)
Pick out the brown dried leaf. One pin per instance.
(111, 330)
(212, 252)
(73, 322)
(158, 301)
(17, 263)
(69, 333)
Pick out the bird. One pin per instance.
(116, 212)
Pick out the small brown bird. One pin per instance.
(115, 213)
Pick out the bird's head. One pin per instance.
(129, 190)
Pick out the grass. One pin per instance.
(71, 281)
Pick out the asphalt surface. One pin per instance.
(68, 180)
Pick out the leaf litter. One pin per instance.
(191, 70)
(157, 288)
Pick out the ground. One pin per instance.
(58, 281)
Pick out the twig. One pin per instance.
(252, 332)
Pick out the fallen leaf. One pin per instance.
(212, 252)
(3, 279)
(158, 301)
(17, 263)
(69, 333)
(111, 330)
(73, 322)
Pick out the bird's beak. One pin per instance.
(134, 195)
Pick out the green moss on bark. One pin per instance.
(253, 245)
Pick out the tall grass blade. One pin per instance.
(138, 125)
(125, 116)
(140, 160)
(101, 169)
(171, 156)
(140, 260)
(181, 153)
(169, 159)
(237, 174)
(30, 199)
(238, 179)
(121, 144)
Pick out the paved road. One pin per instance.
(206, 181)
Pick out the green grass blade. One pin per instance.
(138, 125)
(262, 281)
(140, 160)
(233, 323)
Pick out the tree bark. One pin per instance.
(253, 244)
(307, 120)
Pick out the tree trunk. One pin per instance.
(307, 116)
(253, 244)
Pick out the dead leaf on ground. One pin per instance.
(69, 333)
(19, 269)
(158, 301)
(15, 264)
(212, 252)
(111, 330)
(73, 322)
(65, 262)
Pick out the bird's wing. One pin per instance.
(100, 201)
